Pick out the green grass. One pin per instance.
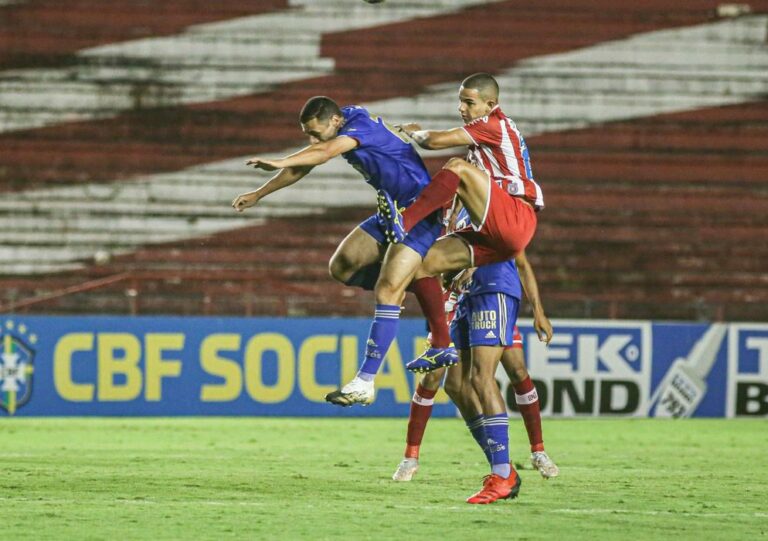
(330, 478)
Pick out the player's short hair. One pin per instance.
(320, 107)
(484, 83)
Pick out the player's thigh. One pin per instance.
(474, 189)
(449, 253)
(513, 362)
(357, 250)
(398, 269)
(485, 359)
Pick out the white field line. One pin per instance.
(466, 508)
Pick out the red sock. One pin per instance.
(430, 297)
(437, 193)
(421, 409)
(528, 403)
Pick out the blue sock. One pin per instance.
(497, 435)
(383, 331)
(475, 426)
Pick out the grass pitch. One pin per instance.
(238, 478)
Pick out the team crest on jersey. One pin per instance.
(17, 355)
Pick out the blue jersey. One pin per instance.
(497, 278)
(493, 278)
(386, 161)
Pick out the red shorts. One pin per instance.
(517, 339)
(507, 228)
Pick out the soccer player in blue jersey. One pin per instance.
(389, 164)
(483, 331)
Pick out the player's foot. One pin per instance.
(544, 464)
(390, 218)
(496, 487)
(357, 391)
(432, 359)
(406, 469)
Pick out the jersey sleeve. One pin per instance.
(484, 131)
(360, 132)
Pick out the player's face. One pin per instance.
(472, 106)
(319, 131)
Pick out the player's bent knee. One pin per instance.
(456, 165)
(386, 292)
(340, 268)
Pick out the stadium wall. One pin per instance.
(125, 126)
(168, 366)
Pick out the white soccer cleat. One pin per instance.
(357, 391)
(406, 469)
(544, 464)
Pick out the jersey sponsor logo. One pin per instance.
(17, 355)
(484, 319)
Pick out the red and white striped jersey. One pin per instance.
(500, 150)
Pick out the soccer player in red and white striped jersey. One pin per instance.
(496, 186)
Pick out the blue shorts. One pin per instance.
(420, 238)
(487, 319)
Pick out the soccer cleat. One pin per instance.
(544, 464)
(496, 487)
(357, 391)
(432, 359)
(406, 469)
(390, 218)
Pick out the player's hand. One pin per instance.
(263, 163)
(543, 327)
(244, 201)
(461, 280)
(408, 129)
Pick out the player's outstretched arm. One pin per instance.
(436, 139)
(292, 168)
(528, 279)
(315, 154)
(284, 178)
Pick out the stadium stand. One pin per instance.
(123, 141)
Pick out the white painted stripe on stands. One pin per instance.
(652, 73)
(206, 62)
(568, 90)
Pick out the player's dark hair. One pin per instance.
(320, 107)
(484, 83)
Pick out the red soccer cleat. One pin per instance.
(496, 487)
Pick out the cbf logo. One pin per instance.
(16, 366)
